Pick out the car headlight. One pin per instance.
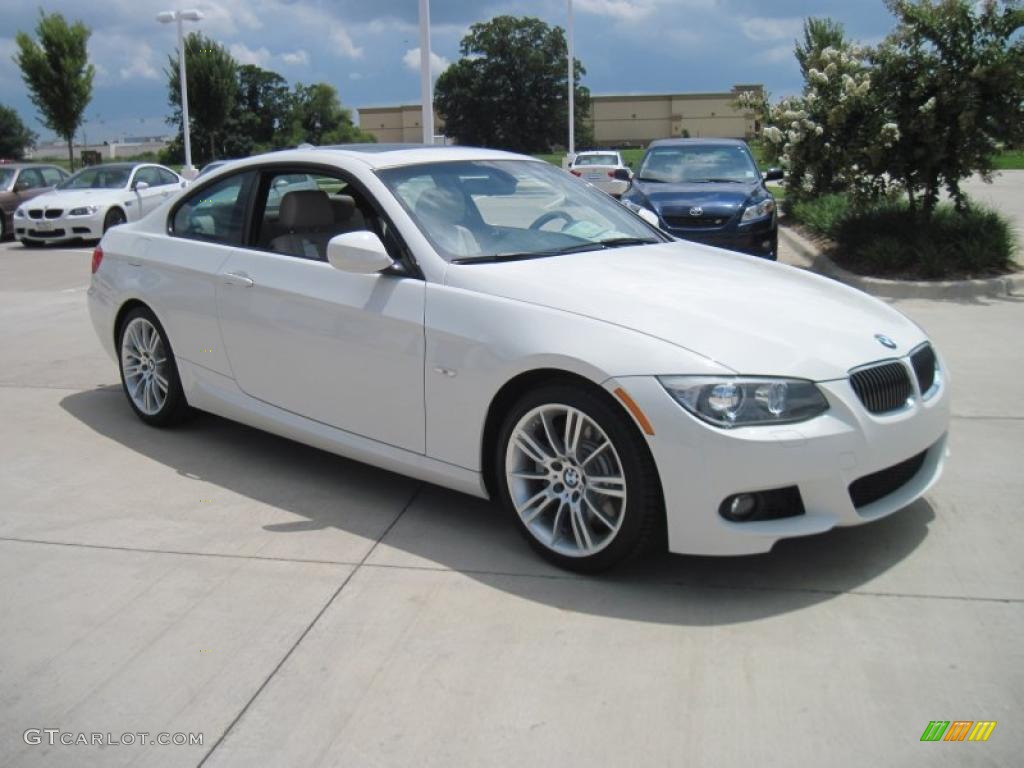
(86, 210)
(19, 213)
(758, 210)
(740, 402)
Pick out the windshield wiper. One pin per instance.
(587, 246)
(618, 242)
(592, 245)
(650, 178)
(717, 181)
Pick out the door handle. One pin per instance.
(237, 278)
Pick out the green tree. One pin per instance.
(212, 92)
(509, 89)
(58, 74)
(317, 117)
(951, 77)
(14, 134)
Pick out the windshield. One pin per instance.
(97, 177)
(697, 164)
(596, 160)
(6, 177)
(506, 209)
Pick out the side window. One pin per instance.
(301, 212)
(31, 178)
(52, 176)
(147, 175)
(215, 212)
(164, 177)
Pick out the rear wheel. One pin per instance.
(148, 373)
(114, 218)
(578, 479)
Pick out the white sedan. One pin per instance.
(486, 322)
(93, 200)
(604, 169)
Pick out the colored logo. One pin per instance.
(958, 730)
(885, 341)
(696, 211)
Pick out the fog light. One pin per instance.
(740, 507)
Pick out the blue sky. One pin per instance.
(369, 49)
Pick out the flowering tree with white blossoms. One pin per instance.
(925, 109)
(952, 75)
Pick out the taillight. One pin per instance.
(611, 174)
(575, 172)
(97, 257)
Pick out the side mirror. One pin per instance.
(360, 252)
(649, 216)
(141, 186)
(622, 174)
(774, 174)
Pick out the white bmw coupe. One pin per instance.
(86, 205)
(484, 321)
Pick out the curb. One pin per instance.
(993, 287)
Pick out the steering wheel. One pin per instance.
(544, 218)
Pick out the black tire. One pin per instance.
(115, 217)
(31, 244)
(175, 408)
(643, 516)
(4, 229)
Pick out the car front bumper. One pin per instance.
(60, 230)
(758, 238)
(701, 465)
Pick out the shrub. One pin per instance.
(888, 239)
(822, 215)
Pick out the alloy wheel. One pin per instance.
(144, 362)
(565, 480)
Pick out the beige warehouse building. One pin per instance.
(618, 121)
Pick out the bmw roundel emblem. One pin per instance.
(696, 211)
(885, 341)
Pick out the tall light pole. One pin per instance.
(189, 172)
(572, 87)
(426, 82)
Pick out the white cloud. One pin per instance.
(629, 10)
(296, 57)
(259, 57)
(355, 76)
(438, 64)
(345, 46)
(757, 28)
(777, 53)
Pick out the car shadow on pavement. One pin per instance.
(442, 529)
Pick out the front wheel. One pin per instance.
(115, 217)
(578, 479)
(148, 373)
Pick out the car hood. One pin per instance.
(715, 199)
(65, 198)
(750, 315)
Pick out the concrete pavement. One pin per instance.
(300, 609)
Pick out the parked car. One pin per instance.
(604, 169)
(709, 191)
(90, 202)
(486, 322)
(20, 182)
(212, 166)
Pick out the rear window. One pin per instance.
(597, 160)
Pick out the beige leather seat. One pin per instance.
(307, 222)
(442, 211)
(347, 218)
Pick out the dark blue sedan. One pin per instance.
(710, 191)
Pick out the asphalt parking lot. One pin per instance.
(298, 609)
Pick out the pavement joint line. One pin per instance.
(518, 575)
(90, 388)
(309, 627)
